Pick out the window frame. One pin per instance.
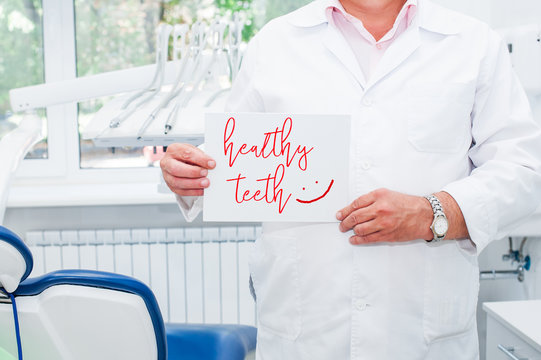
(61, 170)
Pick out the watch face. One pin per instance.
(441, 226)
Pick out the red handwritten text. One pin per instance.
(274, 144)
(275, 195)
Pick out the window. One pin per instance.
(21, 61)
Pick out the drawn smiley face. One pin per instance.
(319, 197)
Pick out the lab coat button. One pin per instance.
(361, 305)
(366, 165)
(368, 101)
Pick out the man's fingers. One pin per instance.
(360, 202)
(356, 217)
(177, 184)
(179, 169)
(184, 169)
(366, 229)
(191, 155)
(372, 238)
(190, 184)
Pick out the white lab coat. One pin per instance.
(443, 111)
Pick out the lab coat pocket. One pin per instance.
(439, 116)
(274, 270)
(451, 290)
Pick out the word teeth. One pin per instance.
(277, 193)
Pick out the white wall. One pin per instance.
(506, 13)
(498, 13)
(479, 9)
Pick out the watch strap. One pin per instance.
(435, 203)
(438, 212)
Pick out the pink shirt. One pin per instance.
(366, 49)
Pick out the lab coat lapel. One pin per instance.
(337, 44)
(397, 53)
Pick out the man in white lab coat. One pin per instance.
(436, 109)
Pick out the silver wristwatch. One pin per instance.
(440, 225)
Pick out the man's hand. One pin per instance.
(185, 169)
(387, 216)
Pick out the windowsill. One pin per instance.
(55, 195)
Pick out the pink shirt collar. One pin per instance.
(406, 14)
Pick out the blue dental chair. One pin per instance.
(84, 314)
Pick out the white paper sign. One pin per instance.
(276, 167)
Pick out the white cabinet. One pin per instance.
(513, 330)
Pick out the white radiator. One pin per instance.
(198, 275)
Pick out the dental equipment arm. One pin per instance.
(198, 44)
(164, 33)
(180, 50)
(217, 32)
(235, 39)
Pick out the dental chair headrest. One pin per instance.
(15, 260)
